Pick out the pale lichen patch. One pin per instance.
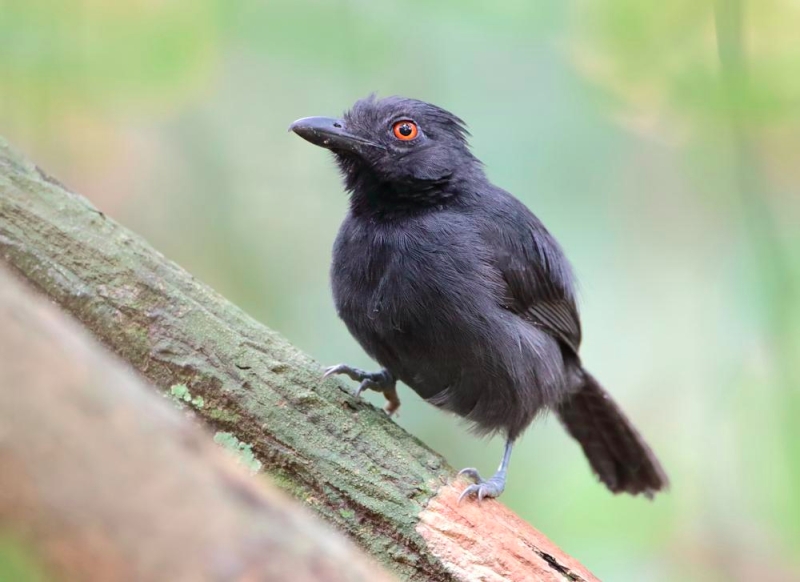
(242, 452)
(180, 393)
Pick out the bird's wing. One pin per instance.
(538, 280)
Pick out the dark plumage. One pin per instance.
(458, 290)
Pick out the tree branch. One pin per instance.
(339, 455)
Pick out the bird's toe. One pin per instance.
(482, 488)
(469, 491)
(365, 385)
(333, 370)
(471, 473)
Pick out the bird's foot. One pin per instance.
(382, 381)
(491, 487)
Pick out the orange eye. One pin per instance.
(405, 130)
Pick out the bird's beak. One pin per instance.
(331, 134)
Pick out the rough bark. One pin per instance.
(100, 479)
(339, 455)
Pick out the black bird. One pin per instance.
(458, 290)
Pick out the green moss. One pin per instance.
(243, 452)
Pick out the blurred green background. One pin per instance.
(660, 142)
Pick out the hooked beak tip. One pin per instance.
(330, 134)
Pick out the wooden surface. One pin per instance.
(489, 542)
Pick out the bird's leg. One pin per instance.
(491, 487)
(382, 381)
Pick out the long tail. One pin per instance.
(615, 449)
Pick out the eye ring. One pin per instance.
(405, 130)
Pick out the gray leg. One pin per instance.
(491, 487)
(382, 381)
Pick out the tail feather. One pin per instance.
(618, 454)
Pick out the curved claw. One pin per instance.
(365, 385)
(490, 488)
(337, 369)
(471, 490)
(471, 473)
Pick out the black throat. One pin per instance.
(372, 196)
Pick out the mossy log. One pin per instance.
(339, 455)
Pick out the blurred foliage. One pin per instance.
(662, 57)
(672, 181)
(90, 54)
(17, 563)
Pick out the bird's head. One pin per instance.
(395, 151)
